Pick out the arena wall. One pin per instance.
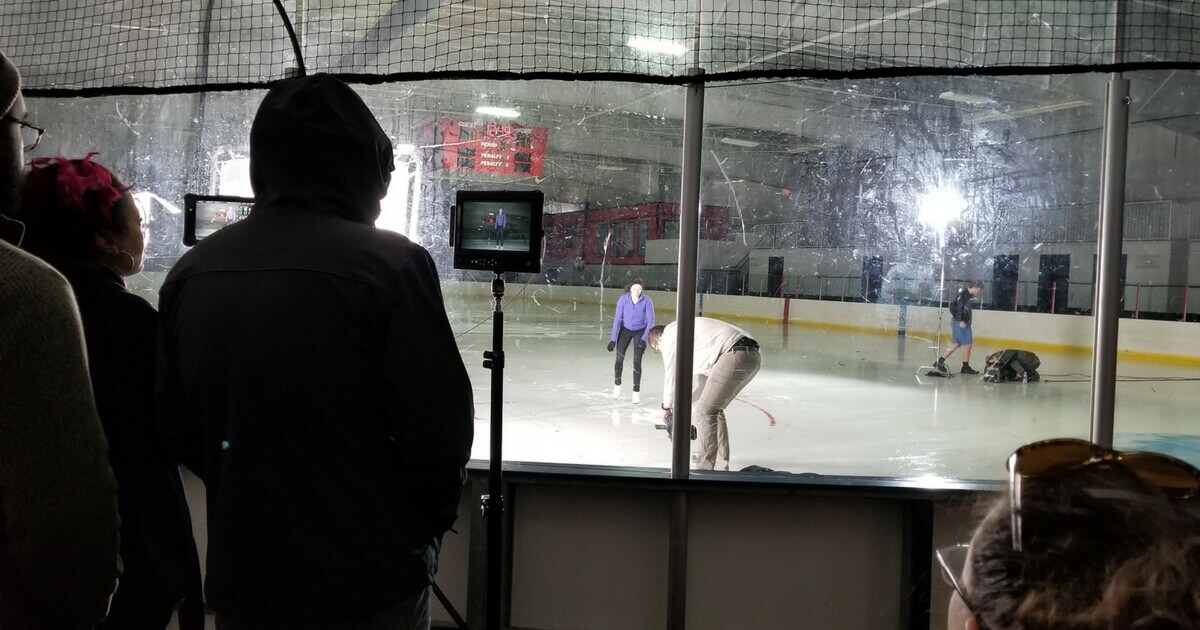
(1143, 340)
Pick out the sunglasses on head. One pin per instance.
(1174, 478)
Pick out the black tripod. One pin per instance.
(492, 503)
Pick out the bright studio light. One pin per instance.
(499, 112)
(657, 45)
(940, 206)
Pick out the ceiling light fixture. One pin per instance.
(969, 99)
(738, 142)
(610, 167)
(657, 45)
(1028, 111)
(499, 112)
(805, 148)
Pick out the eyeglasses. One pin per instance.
(953, 560)
(1175, 478)
(28, 130)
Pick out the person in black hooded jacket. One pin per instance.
(309, 375)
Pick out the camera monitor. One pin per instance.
(497, 230)
(205, 214)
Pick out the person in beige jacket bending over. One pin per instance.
(725, 360)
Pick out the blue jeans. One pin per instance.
(412, 614)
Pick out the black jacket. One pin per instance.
(960, 308)
(1004, 358)
(157, 547)
(310, 376)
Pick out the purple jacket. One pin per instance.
(634, 316)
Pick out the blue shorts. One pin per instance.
(962, 336)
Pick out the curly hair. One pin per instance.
(65, 203)
(1100, 551)
(629, 285)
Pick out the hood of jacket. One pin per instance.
(315, 145)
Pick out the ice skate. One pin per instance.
(616, 391)
(637, 398)
(940, 369)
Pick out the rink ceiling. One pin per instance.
(823, 139)
(848, 137)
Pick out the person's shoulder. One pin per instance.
(23, 274)
(184, 267)
(396, 246)
(133, 304)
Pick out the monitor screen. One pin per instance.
(206, 215)
(496, 226)
(498, 230)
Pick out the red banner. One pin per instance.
(493, 147)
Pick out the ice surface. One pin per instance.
(841, 403)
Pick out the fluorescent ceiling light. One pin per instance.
(610, 167)
(969, 99)
(657, 45)
(805, 148)
(737, 142)
(1028, 111)
(406, 149)
(501, 112)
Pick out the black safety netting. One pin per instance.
(182, 45)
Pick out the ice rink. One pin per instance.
(824, 402)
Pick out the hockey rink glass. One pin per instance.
(1175, 478)
(953, 560)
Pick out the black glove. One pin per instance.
(640, 344)
(611, 345)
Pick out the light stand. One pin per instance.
(938, 208)
(492, 503)
(926, 369)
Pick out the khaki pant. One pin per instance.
(729, 376)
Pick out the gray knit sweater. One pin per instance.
(58, 500)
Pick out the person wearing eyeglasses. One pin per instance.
(1085, 538)
(59, 538)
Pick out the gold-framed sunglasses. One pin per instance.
(1176, 479)
(27, 129)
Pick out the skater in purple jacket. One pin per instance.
(633, 320)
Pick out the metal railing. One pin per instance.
(1141, 301)
(1144, 221)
